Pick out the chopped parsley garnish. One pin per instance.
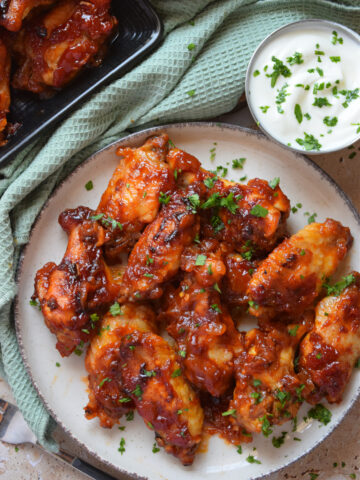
(318, 355)
(216, 201)
(302, 252)
(350, 95)
(85, 330)
(311, 218)
(94, 317)
(171, 143)
(274, 182)
(336, 39)
(89, 185)
(278, 441)
(215, 307)
(231, 412)
(265, 427)
(313, 476)
(200, 260)
(57, 364)
(210, 181)
(309, 142)
(319, 52)
(150, 373)
(252, 459)
(253, 304)
(265, 108)
(238, 162)
(338, 287)
(259, 211)
(257, 396)
(155, 448)
(330, 122)
(278, 69)
(129, 416)
(107, 221)
(103, 381)
(239, 449)
(295, 59)
(176, 373)
(124, 400)
(34, 303)
(191, 46)
(283, 397)
(335, 59)
(194, 202)
(298, 391)
(217, 288)
(293, 331)
(256, 73)
(137, 391)
(357, 125)
(115, 309)
(149, 260)
(321, 102)
(256, 382)
(121, 449)
(182, 353)
(317, 87)
(298, 113)
(281, 97)
(320, 72)
(191, 93)
(320, 413)
(163, 198)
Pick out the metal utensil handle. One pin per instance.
(89, 470)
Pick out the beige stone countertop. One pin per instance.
(342, 447)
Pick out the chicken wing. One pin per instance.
(132, 196)
(290, 278)
(329, 352)
(152, 377)
(252, 215)
(103, 362)
(52, 48)
(5, 64)
(79, 286)
(236, 281)
(13, 12)
(267, 389)
(200, 324)
(156, 257)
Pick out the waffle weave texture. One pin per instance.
(225, 34)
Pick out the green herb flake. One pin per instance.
(313, 476)
(16, 449)
(330, 122)
(320, 413)
(281, 97)
(239, 449)
(191, 46)
(278, 441)
(265, 426)
(238, 163)
(137, 391)
(115, 309)
(155, 448)
(335, 59)
(256, 73)
(124, 400)
(103, 381)
(293, 331)
(89, 185)
(257, 397)
(320, 72)
(200, 260)
(194, 202)
(309, 142)
(350, 95)
(278, 69)
(129, 416)
(121, 449)
(321, 102)
(176, 373)
(216, 308)
(35, 303)
(164, 199)
(297, 58)
(274, 182)
(256, 382)
(57, 364)
(264, 108)
(252, 459)
(231, 412)
(298, 113)
(259, 211)
(336, 39)
(339, 286)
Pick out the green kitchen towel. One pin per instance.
(205, 51)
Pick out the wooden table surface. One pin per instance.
(342, 447)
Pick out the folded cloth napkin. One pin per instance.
(206, 49)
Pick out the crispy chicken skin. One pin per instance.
(237, 226)
(290, 278)
(132, 196)
(52, 48)
(5, 64)
(329, 352)
(156, 257)
(103, 363)
(267, 388)
(79, 286)
(13, 12)
(153, 379)
(237, 279)
(200, 324)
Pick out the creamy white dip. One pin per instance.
(304, 87)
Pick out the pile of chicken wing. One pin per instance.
(174, 248)
(48, 42)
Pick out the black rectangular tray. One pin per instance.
(139, 32)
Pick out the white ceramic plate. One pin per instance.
(63, 389)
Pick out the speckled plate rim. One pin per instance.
(123, 141)
(254, 56)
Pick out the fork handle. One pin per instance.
(84, 467)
